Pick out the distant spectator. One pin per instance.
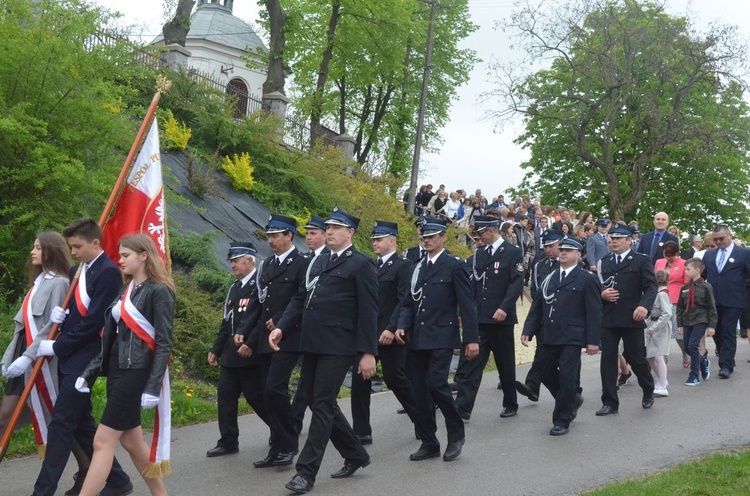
(696, 245)
(450, 209)
(586, 218)
(501, 201)
(439, 201)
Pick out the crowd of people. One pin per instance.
(596, 286)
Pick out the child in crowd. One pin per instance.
(658, 334)
(696, 316)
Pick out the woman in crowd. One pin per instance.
(567, 230)
(658, 334)
(674, 232)
(439, 201)
(450, 210)
(136, 345)
(585, 218)
(675, 267)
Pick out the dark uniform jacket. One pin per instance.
(412, 254)
(338, 314)
(500, 282)
(280, 283)
(394, 278)
(635, 280)
(702, 311)
(430, 315)
(242, 309)
(541, 270)
(729, 284)
(571, 313)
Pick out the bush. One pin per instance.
(175, 134)
(240, 171)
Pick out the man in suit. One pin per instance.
(78, 343)
(596, 244)
(416, 253)
(279, 279)
(498, 282)
(541, 227)
(652, 242)
(394, 275)
(727, 270)
(629, 292)
(337, 309)
(567, 313)
(239, 373)
(429, 322)
(564, 217)
(549, 264)
(696, 245)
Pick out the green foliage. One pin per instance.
(637, 113)
(175, 135)
(240, 171)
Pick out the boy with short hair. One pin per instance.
(696, 316)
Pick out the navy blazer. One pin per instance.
(634, 278)
(729, 285)
(244, 308)
(500, 282)
(394, 278)
(647, 240)
(412, 254)
(571, 313)
(79, 341)
(337, 315)
(430, 316)
(280, 284)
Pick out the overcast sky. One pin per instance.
(473, 155)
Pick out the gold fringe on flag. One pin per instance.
(41, 451)
(153, 471)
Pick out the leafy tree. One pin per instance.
(637, 112)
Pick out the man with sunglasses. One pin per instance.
(727, 270)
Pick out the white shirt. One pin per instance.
(280, 258)
(385, 258)
(338, 253)
(246, 278)
(89, 264)
(432, 259)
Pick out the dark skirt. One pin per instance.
(124, 390)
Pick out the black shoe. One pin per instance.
(624, 378)
(463, 414)
(349, 469)
(78, 479)
(117, 491)
(605, 410)
(507, 412)
(724, 373)
(525, 390)
(401, 411)
(558, 430)
(454, 387)
(424, 454)
(647, 402)
(299, 485)
(221, 451)
(500, 385)
(579, 403)
(364, 440)
(283, 459)
(453, 450)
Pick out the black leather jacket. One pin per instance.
(156, 303)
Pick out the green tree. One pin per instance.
(638, 112)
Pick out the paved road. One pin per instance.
(502, 456)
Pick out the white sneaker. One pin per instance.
(660, 391)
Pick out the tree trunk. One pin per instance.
(277, 70)
(400, 141)
(316, 111)
(176, 30)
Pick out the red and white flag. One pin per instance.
(141, 207)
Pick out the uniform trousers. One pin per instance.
(560, 366)
(71, 420)
(233, 382)
(393, 360)
(276, 370)
(726, 330)
(429, 371)
(634, 343)
(324, 375)
(498, 339)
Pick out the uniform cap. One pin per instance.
(383, 229)
(280, 223)
(340, 218)
(241, 249)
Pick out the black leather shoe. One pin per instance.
(221, 451)
(349, 469)
(605, 410)
(579, 403)
(507, 412)
(724, 373)
(647, 402)
(283, 459)
(267, 461)
(525, 390)
(78, 479)
(364, 440)
(401, 411)
(117, 491)
(453, 450)
(558, 430)
(500, 385)
(424, 454)
(299, 485)
(464, 414)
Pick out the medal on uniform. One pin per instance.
(496, 266)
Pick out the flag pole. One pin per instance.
(162, 85)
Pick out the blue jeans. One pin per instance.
(692, 336)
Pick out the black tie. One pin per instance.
(380, 262)
(551, 264)
(278, 262)
(618, 260)
(655, 243)
(562, 275)
(334, 257)
(489, 251)
(429, 264)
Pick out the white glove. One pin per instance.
(18, 367)
(82, 386)
(45, 348)
(4, 371)
(149, 401)
(58, 315)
